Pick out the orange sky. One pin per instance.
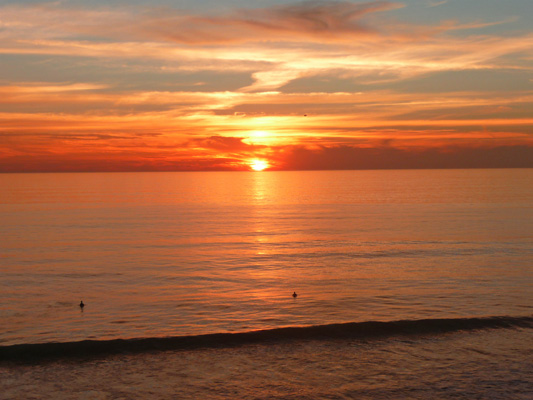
(292, 85)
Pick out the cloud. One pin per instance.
(388, 157)
(36, 87)
(372, 155)
(321, 20)
(479, 25)
(275, 45)
(325, 22)
(121, 84)
(222, 143)
(181, 115)
(436, 3)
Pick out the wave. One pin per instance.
(352, 330)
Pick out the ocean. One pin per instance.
(410, 284)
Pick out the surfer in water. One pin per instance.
(82, 305)
(294, 295)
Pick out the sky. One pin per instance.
(186, 85)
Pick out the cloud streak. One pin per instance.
(275, 45)
(301, 84)
(315, 20)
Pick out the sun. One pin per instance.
(259, 165)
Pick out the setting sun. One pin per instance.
(259, 165)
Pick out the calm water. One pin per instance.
(180, 254)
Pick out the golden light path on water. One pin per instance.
(223, 251)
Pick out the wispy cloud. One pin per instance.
(303, 40)
(436, 3)
(367, 56)
(318, 20)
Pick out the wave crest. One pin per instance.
(352, 330)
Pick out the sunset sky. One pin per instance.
(109, 85)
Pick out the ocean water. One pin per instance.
(194, 257)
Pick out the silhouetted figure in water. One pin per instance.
(294, 295)
(82, 305)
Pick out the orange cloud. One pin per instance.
(304, 39)
(317, 20)
(325, 21)
(385, 157)
(279, 108)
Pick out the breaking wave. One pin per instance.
(352, 330)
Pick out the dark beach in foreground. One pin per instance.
(479, 364)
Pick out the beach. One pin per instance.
(484, 364)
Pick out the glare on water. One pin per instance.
(158, 254)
